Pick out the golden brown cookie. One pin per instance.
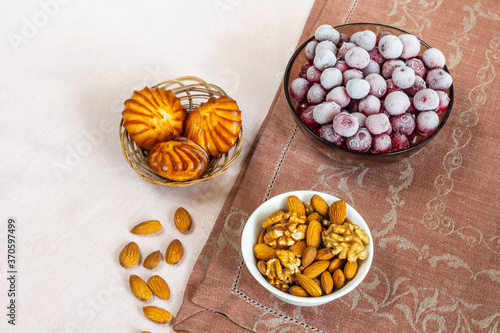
(152, 115)
(178, 159)
(215, 125)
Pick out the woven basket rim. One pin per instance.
(190, 88)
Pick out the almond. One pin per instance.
(261, 236)
(157, 315)
(294, 204)
(338, 278)
(261, 266)
(350, 269)
(139, 288)
(313, 216)
(130, 255)
(308, 285)
(146, 228)
(182, 219)
(308, 255)
(326, 282)
(298, 248)
(159, 287)
(264, 252)
(337, 212)
(174, 252)
(152, 260)
(297, 291)
(313, 233)
(336, 264)
(325, 254)
(319, 204)
(316, 268)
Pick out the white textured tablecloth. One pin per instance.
(66, 68)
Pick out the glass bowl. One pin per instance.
(341, 154)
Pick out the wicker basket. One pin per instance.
(192, 91)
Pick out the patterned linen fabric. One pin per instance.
(434, 217)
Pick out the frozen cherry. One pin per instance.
(377, 123)
(327, 32)
(426, 99)
(301, 107)
(427, 122)
(361, 118)
(326, 44)
(310, 50)
(381, 35)
(316, 94)
(390, 87)
(390, 47)
(313, 74)
(345, 124)
(357, 88)
(307, 118)
(351, 73)
(304, 68)
(389, 66)
(357, 57)
(403, 77)
(378, 86)
(353, 106)
(372, 67)
(327, 133)
(433, 58)
(417, 65)
(344, 38)
(396, 102)
(366, 39)
(361, 141)
(339, 95)
(381, 143)
(330, 78)
(376, 56)
(417, 86)
(399, 141)
(438, 79)
(369, 105)
(444, 101)
(324, 59)
(299, 88)
(403, 123)
(341, 65)
(344, 48)
(411, 46)
(325, 112)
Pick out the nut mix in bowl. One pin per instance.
(307, 248)
(367, 94)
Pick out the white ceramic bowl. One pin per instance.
(251, 233)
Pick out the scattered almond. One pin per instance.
(175, 252)
(309, 285)
(130, 255)
(139, 288)
(183, 221)
(337, 212)
(319, 204)
(159, 287)
(326, 282)
(152, 260)
(316, 268)
(146, 228)
(157, 315)
(350, 269)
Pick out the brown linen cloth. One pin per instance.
(434, 217)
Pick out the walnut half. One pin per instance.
(347, 241)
